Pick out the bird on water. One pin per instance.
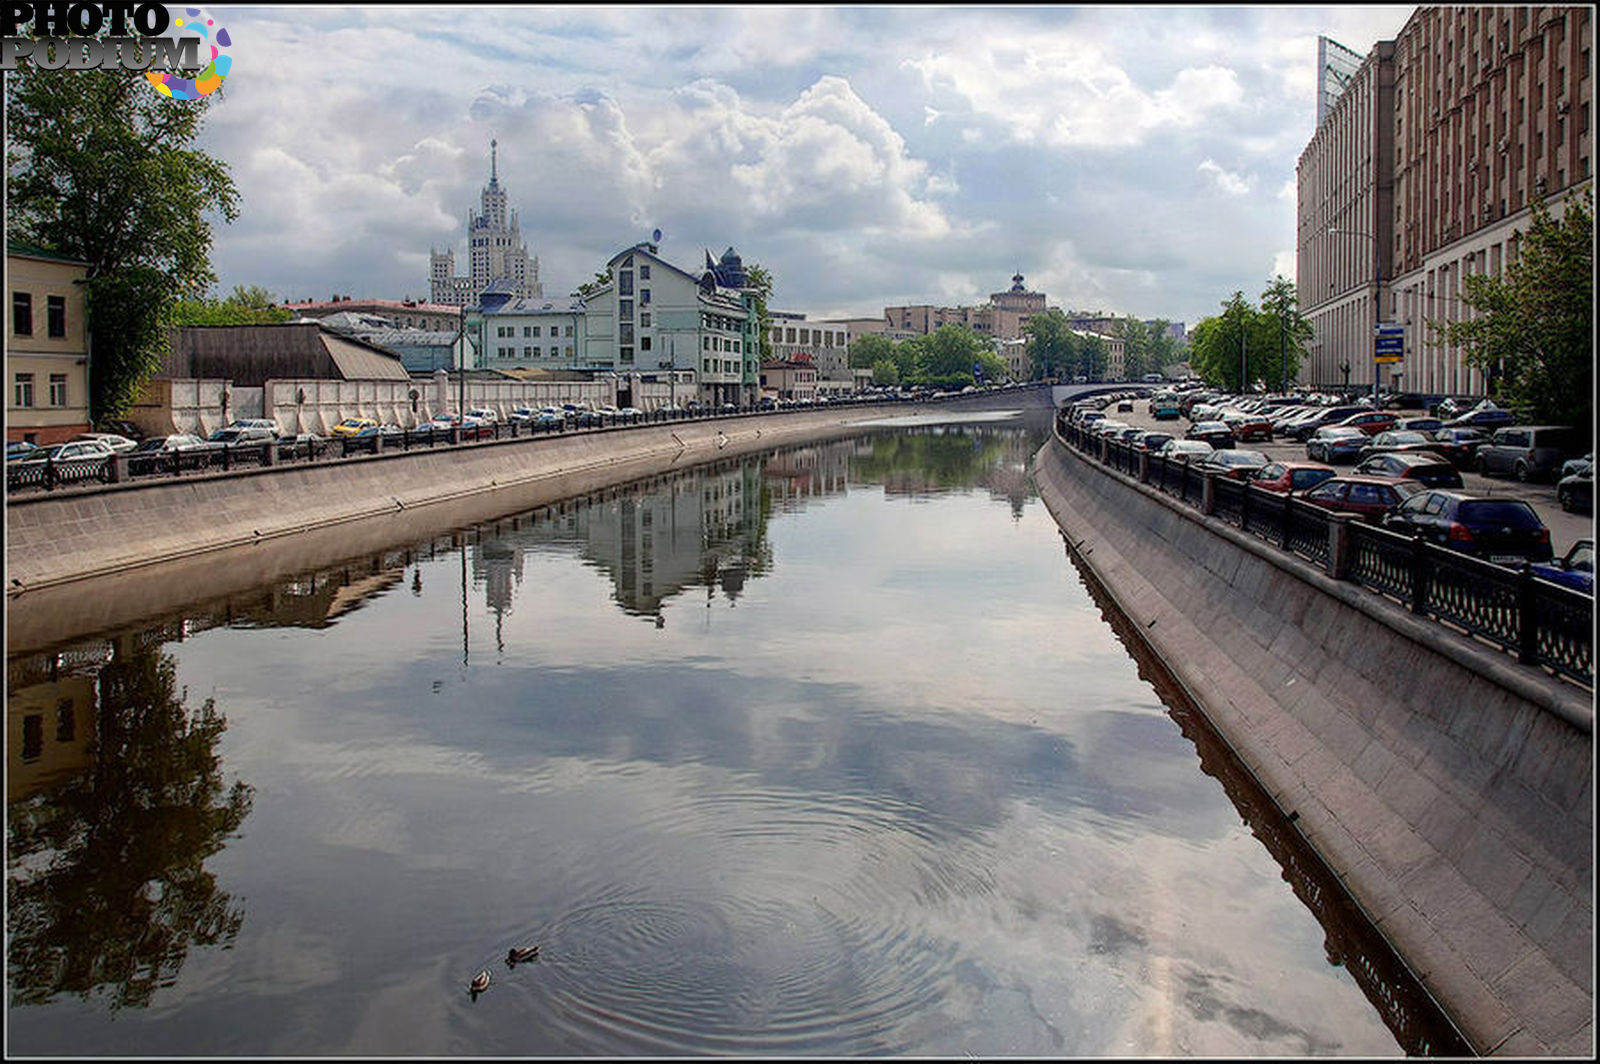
(479, 984)
(519, 954)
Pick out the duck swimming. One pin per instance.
(519, 954)
(480, 983)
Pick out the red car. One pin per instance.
(1367, 497)
(1284, 477)
(1248, 426)
(1371, 422)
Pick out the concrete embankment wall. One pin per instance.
(57, 538)
(1449, 788)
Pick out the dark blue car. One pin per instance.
(1575, 569)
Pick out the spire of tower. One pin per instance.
(493, 163)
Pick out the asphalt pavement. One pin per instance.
(1565, 528)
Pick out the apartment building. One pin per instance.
(1422, 173)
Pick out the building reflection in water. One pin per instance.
(115, 787)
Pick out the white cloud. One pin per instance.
(1232, 184)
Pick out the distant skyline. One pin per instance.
(1132, 160)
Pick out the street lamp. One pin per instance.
(1377, 292)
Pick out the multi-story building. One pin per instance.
(1002, 318)
(514, 332)
(47, 347)
(655, 318)
(825, 343)
(789, 378)
(1422, 173)
(495, 248)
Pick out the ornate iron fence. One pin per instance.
(1543, 623)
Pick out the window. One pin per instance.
(23, 394)
(644, 343)
(644, 297)
(56, 317)
(22, 313)
(526, 331)
(58, 389)
(625, 332)
(625, 283)
(644, 271)
(530, 352)
(569, 330)
(626, 353)
(625, 309)
(644, 319)
(536, 331)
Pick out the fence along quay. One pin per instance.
(1426, 725)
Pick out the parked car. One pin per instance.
(1248, 426)
(1154, 440)
(178, 450)
(1285, 477)
(1165, 408)
(1184, 450)
(351, 425)
(1335, 443)
(116, 441)
(73, 460)
(1424, 467)
(16, 450)
(485, 414)
(1397, 440)
(630, 415)
(1329, 415)
(1575, 493)
(1577, 465)
(1216, 433)
(1574, 569)
(1367, 497)
(236, 434)
(1482, 417)
(1371, 422)
(1496, 529)
(1528, 452)
(301, 444)
(1420, 424)
(1235, 464)
(1459, 445)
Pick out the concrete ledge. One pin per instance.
(1447, 786)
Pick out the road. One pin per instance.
(1565, 528)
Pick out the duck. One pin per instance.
(480, 983)
(518, 954)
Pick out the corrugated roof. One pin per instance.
(363, 362)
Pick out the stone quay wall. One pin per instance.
(1450, 789)
(59, 537)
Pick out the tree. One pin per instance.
(102, 168)
(1534, 333)
(760, 286)
(885, 373)
(1280, 306)
(1049, 350)
(867, 351)
(947, 356)
(246, 306)
(602, 278)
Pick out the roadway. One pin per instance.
(1565, 528)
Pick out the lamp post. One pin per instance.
(1377, 293)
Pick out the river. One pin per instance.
(828, 751)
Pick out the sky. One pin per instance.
(1129, 160)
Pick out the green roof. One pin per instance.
(32, 251)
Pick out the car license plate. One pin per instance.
(1502, 559)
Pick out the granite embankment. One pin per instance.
(60, 537)
(1449, 788)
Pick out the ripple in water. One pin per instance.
(803, 930)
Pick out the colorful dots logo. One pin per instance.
(197, 22)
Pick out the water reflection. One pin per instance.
(115, 801)
(874, 785)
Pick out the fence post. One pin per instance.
(1419, 574)
(269, 452)
(119, 467)
(1144, 467)
(1527, 618)
(1208, 493)
(1338, 545)
(1244, 506)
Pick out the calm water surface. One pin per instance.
(824, 752)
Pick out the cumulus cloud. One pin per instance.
(1232, 184)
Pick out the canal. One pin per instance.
(829, 750)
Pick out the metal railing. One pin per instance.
(1542, 623)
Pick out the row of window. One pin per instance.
(505, 332)
(824, 337)
(22, 393)
(533, 351)
(22, 315)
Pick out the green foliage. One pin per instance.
(602, 278)
(1055, 350)
(867, 351)
(246, 306)
(102, 168)
(885, 373)
(1534, 333)
(1270, 340)
(760, 282)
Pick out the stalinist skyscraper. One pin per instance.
(497, 250)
